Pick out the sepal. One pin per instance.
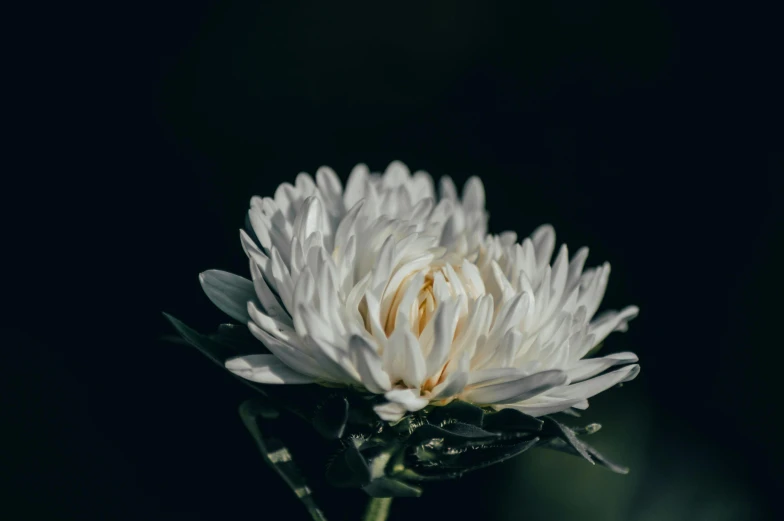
(452, 434)
(507, 420)
(564, 439)
(457, 410)
(558, 430)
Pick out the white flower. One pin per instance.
(385, 287)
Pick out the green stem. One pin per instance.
(377, 509)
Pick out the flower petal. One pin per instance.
(329, 185)
(444, 332)
(494, 376)
(542, 408)
(587, 368)
(474, 195)
(266, 369)
(291, 356)
(231, 293)
(403, 358)
(611, 321)
(510, 314)
(585, 389)
(280, 279)
(576, 266)
(447, 188)
(390, 411)
(368, 364)
(517, 390)
(269, 301)
(356, 185)
(310, 219)
(454, 382)
(543, 240)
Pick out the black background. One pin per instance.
(648, 131)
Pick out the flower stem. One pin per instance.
(377, 509)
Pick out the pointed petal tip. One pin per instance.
(626, 356)
(634, 371)
(545, 230)
(396, 163)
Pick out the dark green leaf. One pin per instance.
(563, 432)
(484, 457)
(460, 433)
(603, 461)
(466, 430)
(391, 487)
(562, 446)
(349, 469)
(254, 413)
(511, 420)
(456, 410)
(473, 459)
(331, 417)
(216, 352)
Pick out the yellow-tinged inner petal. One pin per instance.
(423, 308)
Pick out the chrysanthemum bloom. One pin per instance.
(385, 287)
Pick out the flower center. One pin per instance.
(412, 304)
(421, 309)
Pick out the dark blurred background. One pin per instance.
(649, 131)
